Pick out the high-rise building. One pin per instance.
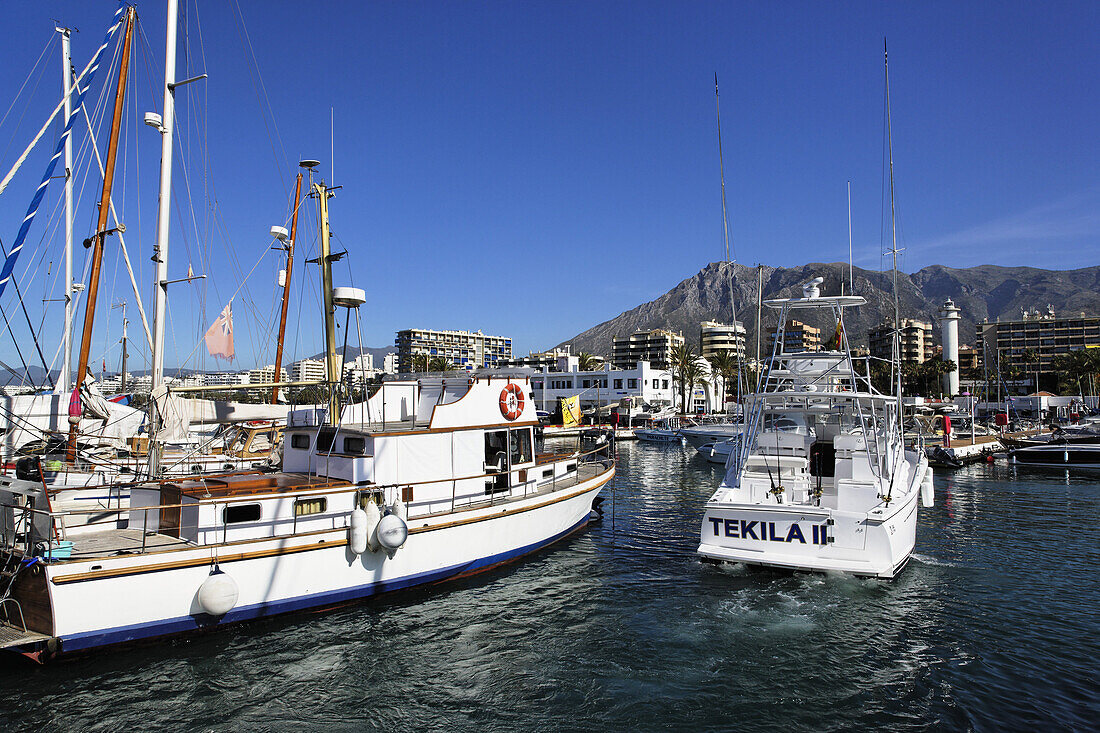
(916, 341)
(467, 350)
(266, 375)
(1044, 334)
(715, 338)
(797, 336)
(310, 370)
(654, 346)
(389, 363)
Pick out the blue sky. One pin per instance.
(531, 169)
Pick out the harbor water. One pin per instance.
(993, 625)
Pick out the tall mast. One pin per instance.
(286, 288)
(160, 244)
(164, 199)
(323, 193)
(101, 226)
(64, 380)
(893, 233)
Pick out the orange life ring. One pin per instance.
(511, 401)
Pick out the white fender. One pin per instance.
(357, 532)
(373, 516)
(392, 533)
(218, 594)
(927, 491)
(398, 508)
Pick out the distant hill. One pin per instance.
(985, 291)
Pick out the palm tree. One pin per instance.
(440, 364)
(725, 365)
(420, 362)
(687, 371)
(586, 362)
(1031, 359)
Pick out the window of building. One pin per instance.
(632, 384)
(665, 386)
(235, 513)
(618, 384)
(305, 507)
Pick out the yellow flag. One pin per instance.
(571, 411)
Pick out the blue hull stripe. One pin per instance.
(184, 624)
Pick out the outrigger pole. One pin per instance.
(101, 230)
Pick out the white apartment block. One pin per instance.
(467, 350)
(266, 375)
(715, 338)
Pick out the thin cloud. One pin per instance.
(1075, 216)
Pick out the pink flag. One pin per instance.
(219, 339)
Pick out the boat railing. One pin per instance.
(49, 540)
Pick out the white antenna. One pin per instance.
(851, 271)
(332, 143)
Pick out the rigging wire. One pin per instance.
(38, 81)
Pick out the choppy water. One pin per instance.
(993, 625)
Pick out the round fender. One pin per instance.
(218, 594)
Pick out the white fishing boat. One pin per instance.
(719, 451)
(822, 480)
(710, 433)
(665, 430)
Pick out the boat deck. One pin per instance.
(113, 542)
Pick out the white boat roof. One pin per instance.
(824, 301)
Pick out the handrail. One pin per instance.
(290, 493)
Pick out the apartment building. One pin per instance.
(467, 350)
(654, 347)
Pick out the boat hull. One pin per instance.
(113, 601)
(795, 537)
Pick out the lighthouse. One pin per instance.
(949, 323)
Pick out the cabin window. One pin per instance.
(355, 444)
(299, 441)
(570, 467)
(262, 442)
(519, 445)
(325, 439)
(235, 513)
(305, 507)
(548, 473)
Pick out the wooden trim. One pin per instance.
(491, 426)
(323, 544)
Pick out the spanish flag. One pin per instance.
(838, 337)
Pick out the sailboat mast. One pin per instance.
(893, 232)
(286, 288)
(101, 226)
(164, 199)
(323, 193)
(160, 244)
(64, 380)
(722, 169)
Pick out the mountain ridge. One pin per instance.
(996, 292)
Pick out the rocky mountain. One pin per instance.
(985, 291)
